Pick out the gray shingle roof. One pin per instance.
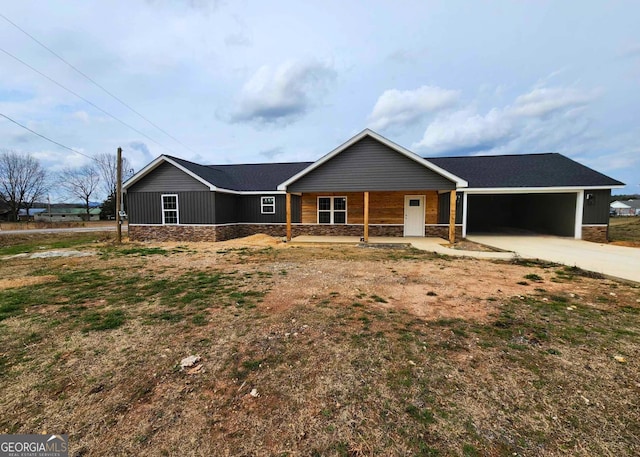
(245, 177)
(523, 170)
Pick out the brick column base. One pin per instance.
(596, 234)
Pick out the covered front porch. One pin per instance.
(410, 213)
(370, 186)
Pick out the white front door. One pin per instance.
(414, 215)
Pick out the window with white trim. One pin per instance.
(170, 209)
(268, 205)
(332, 210)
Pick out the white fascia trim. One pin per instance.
(396, 147)
(594, 225)
(250, 192)
(153, 165)
(579, 215)
(464, 214)
(530, 190)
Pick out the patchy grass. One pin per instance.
(27, 243)
(625, 229)
(142, 251)
(316, 362)
(106, 320)
(533, 277)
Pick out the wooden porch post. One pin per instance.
(288, 216)
(452, 217)
(366, 217)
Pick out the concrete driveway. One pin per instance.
(621, 262)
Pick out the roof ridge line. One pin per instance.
(257, 163)
(493, 155)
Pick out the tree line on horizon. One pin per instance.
(24, 182)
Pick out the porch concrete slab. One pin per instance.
(617, 261)
(430, 244)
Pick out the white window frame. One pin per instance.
(332, 209)
(176, 210)
(263, 204)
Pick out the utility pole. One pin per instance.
(119, 194)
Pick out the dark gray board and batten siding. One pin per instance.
(197, 204)
(168, 179)
(226, 208)
(444, 203)
(251, 210)
(210, 208)
(596, 208)
(193, 207)
(195, 200)
(248, 209)
(369, 165)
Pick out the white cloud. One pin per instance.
(282, 94)
(542, 119)
(466, 130)
(55, 160)
(616, 161)
(543, 101)
(137, 154)
(402, 107)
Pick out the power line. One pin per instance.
(46, 138)
(95, 82)
(85, 100)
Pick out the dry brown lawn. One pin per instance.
(625, 231)
(314, 351)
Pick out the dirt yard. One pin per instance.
(316, 350)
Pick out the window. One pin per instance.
(170, 209)
(268, 205)
(332, 210)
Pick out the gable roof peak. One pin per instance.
(460, 182)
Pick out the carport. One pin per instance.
(525, 194)
(542, 213)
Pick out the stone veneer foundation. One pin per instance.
(227, 232)
(595, 233)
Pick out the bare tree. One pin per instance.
(81, 183)
(108, 168)
(22, 181)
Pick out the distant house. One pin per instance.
(68, 215)
(22, 213)
(625, 208)
(369, 186)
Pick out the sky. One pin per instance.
(253, 81)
